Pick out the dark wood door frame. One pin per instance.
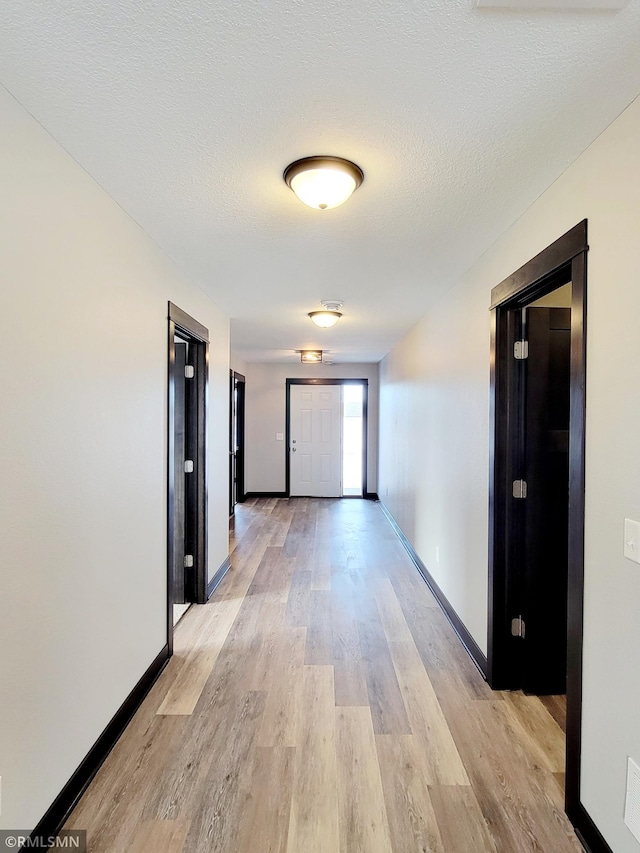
(563, 261)
(236, 382)
(365, 419)
(198, 338)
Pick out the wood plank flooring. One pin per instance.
(321, 703)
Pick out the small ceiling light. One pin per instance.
(323, 182)
(311, 356)
(330, 314)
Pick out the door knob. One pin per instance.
(293, 449)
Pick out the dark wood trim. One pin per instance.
(365, 422)
(266, 495)
(563, 261)
(590, 836)
(475, 652)
(332, 381)
(365, 437)
(215, 581)
(232, 386)
(545, 263)
(497, 474)
(575, 605)
(372, 496)
(171, 426)
(66, 800)
(188, 323)
(202, 469)
(238, 376)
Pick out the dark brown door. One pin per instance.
(236, 440)
(186, 516)
(546, 506)
(191, 476)
(233, 445)
(179, 475)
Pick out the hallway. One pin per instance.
(320, 703)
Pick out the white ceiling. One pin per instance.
(187, 112)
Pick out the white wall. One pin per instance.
(266, 416)
(83, 374)
(433, 448)
(434, 444)
(239, 365)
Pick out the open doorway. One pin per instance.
(188, 360)
(536, 505)
(326, 421)
(536, 553)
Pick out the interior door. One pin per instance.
(179, 475)
(236, 439)
(233, 441)
(546, 507)
(315, 449)
(193, 481)
(187, 511)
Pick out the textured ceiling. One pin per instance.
(187, 113)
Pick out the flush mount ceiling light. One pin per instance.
(311, 356)
(330, 314)
(323, 182)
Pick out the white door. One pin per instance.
(315, 449)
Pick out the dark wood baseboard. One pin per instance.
(66, 800)
(590, 836)
(474, 650)
(370, 496)
(214, 583)
(265, 495)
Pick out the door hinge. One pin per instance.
(189, 371)
(188, 466)
(519, 488)
(517, 627)
(521, 350)
(188, 561)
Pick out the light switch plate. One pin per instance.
(632, 540)
(279, 436)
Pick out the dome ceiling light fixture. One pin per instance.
(323, 182)
(330, 314)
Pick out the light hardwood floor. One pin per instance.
(321, 703)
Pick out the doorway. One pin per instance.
(536, 493)
(236, 439)
(537, 552)
(188, 360)
(353, 439)
(326, 422)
